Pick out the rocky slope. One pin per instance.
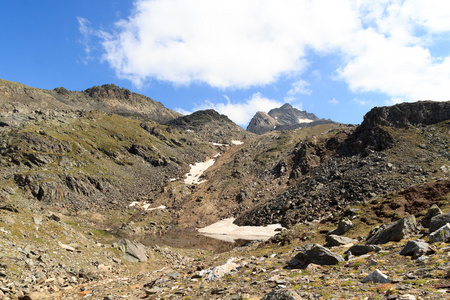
(284, 118)
(21, 99)
(73, 162)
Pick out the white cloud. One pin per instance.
(333, 101)
(383, 45)
(300, 87)
(242, 112)
(86, 32)
(231, 43)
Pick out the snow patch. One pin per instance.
(305, 120)
(227, 231)
(220, 145)
(236, 142)
(145, 206)
(193, 177)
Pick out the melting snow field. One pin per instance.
(227, 231)
(193, 177)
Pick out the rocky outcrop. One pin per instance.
(416, 249)
(395, 231)
(372, 135)
(18, 98)
(261, 123)
(343, 226)
(132, 251)
(285, 117)
(441, 234)
(315, 254)
(210, 126)
(438, 221)
(433, 211)
(408, 114)
(336, 240)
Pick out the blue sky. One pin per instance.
(334, 58)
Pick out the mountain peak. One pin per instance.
(283, 118)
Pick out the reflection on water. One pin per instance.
(189, 240)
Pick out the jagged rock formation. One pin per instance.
(284, 118)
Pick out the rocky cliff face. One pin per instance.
(284, 118)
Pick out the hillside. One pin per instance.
(21, 99)
(82, 170)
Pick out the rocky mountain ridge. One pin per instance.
(109, 98)
(285, 117)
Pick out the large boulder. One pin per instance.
(316, 254)
(416, 249)
(336, 240)
(363, 249)
(376, 277)
(438, 221)
(432, 212)
(395, 231)
(132, 251)
(441, 235)
(343, 226)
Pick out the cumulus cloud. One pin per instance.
(382, 46)
(241, 112)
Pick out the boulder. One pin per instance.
(316, 254)
(336, 240)
(132, 251)
(376, 277)
(416, 249)
(441, 235)
(362, 249)
(433, 211)
(438, 221)
(343, 226)
(282, 295)
(395, 231)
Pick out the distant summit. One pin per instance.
(284, 118)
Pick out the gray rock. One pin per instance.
(441, 235)
(132, 251)
(395, 231)
(282, 295)
(376, 277)
(416, 249)
(343, 226)
(362, 249)
(336, 240)
(432, 212)
(316, 254)
(438, 221)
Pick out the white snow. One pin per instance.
(155, 208)
(219, 145)
(227, 231)
(305, 120)
(236, 142)
(145, 206)
(193, 177)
